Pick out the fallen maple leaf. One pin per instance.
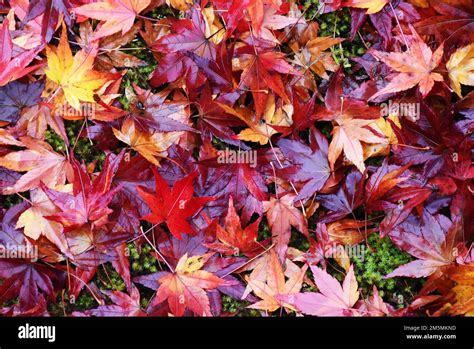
(460, 68)
(110, 46)
(119, 15)
(153, 110)
(372, 6)
(12, 65)
(310, 164)
(235, 240)
(23, 279)
(152, 146)
(262, 69)
(274, 288)
(375, 306)
(123, 305)
(186, 287)
(273, 21)
(281, 216)
(257, 131)
(49, 12)
(332, 299)
(27, 280)
(386, 178)
(463, 291)
(74, 76)
(174, 206)
(17, 96)
(88, 202)
(352, 118)
(342, 203)
(35, 224)
(41, 162)
(413, 67)
(434, 241)
(37, 119)
(310, 54)
(190, 35)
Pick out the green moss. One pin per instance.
(380, 258)
(8, 201)
(335, 24)
(375, 161)
(163, 12)
(53, 139)
(326, 129)
(232, 305)
(218, 144)
(85, 149)
(142, 262)
(264, 230)
(107, 278)
(298, 240)
(311, 9)
(138, 75)
(69, 305)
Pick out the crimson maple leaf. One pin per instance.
(90, 198)
(262, 71)
(13, 65)
(173, 207)
(233, 239)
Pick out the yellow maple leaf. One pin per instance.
(384, 127)
(461, 68)
(272, 116)
(152, 146)
(73, 76)
(463, 275)
(372, 6)
(181, 5)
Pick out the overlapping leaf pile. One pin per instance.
(247, 122)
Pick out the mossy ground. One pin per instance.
(381, 257)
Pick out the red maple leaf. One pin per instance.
(173, 207)
(90, 198)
